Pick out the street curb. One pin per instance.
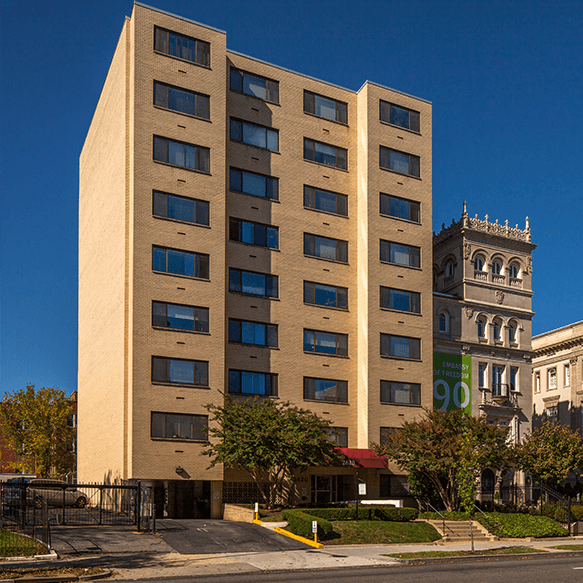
(301, 539)
(52, 556)
(461, 559)
(60, 578)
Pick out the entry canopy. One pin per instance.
(364, 458)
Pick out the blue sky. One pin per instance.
(505, 79)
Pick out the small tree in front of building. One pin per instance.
(445, 453)
(550, 453)
(273, 442)
(36, 425)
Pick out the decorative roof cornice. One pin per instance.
(468, 223)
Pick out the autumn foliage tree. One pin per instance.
(550, 453)
(35, 423)
(445, 452)
(272, 441)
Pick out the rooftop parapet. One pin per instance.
(475, 224)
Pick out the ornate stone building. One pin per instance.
(482, 317)
(557, 376)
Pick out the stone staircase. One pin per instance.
(458, 531)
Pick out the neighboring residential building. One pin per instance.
(557, 377)
(482, 326)
(249, 230)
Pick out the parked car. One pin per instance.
(52, 491)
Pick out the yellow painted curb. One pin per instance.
(255, 521)
(300, 538)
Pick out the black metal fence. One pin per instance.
(75, 504)
(29, 526)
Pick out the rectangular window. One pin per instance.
(255, 333)
(179, 317)
(400, 393)
(181, 154)
(399, 299)
(498, 386)
(250, 282)
(400, 254)
(514, 378)
(393, 486)
(400, 162)
(181, 100)
(399, 116)
(254, 135)
(253, 233)
(326, 248)
(400, 346)
(252, 383)
(179, 371)
(325, 154)
(325, 390)
(180, 208)
(339, 435)
(183, 47)
(552, 376)
(180, 426)
(325, 342)
(326, 201)
(482, 375)
(254, 85)
(254, 184)
(387, 434)
(180, 262)
(325, 107)
(537, 382)
(325, 295)
(567, 375)
(399, 208)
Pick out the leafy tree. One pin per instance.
(272, 441)
(551, 452)
(36, 426)
(444, 452)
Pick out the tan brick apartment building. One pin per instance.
(249, 230)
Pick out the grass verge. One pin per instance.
(15, 545)
(48, 572)
(568, 547)
(368, 532)
(437, 554)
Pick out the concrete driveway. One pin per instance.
(190, 537)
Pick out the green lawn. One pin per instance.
(569, 547)
(367, 532)
(14, 545)
(437, 554)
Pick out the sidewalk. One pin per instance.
(133, 556)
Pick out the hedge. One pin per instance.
(524, 525)
(388, 513)
(300, 523)
(558, 512)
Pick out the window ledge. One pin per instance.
(327, 307)
(400, 265)
(253, 345)
(340, 123)
(182, 113)
(309, 208)
(255, 195)
(482, 340)
(257, 147)
(326, 165)
(401, 358)
(196, 170)
(276, 103)
(183, 60)
(255, 246)
(418, 314)
(324, 259)
(180, 275)
(181, 385)
(168, 329)
(181, 222)
(326, 402)
(400, 173)
(314, 353)
(253, 295)
(409, 221)
(179, 439)
(400, 404)
(392, 125)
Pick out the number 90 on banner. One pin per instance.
(452, 382)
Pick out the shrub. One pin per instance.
(447, 514)
(300, 523)
(389, 513)
(559, 512)
(523, 525)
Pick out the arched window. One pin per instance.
(443, 323)
(512, 333)
(496, 267)
(488, 481)
(479, 263)
(481, 327)
(497, 330)
(514, 270)
(449, 269)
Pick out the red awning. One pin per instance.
(364, 458)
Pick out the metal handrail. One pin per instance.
(442, 518)
(493, 526)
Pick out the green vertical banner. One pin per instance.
(452, 382)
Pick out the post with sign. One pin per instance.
(256, 510)
(315, 530)
(356, 495)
